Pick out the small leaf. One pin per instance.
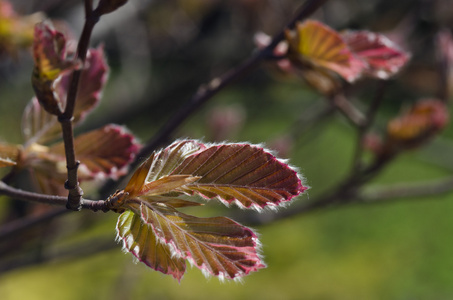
(105, 151)
(91, 84)
(139, 239)
(383, 57)
(218, 246)
(425, 119)
(49, 53)
(38, 126)
(314, 44)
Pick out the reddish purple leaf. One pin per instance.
(92, 81)
(103, 152)
(383, 57)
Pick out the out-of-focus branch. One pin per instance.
(409, 190)
(208, 91)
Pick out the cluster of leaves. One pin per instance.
(103, 153)
(150, 225)
(154, 231)
(320, 55)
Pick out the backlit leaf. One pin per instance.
(139, 239)
(241, 173)
(91, 84)
(383, 57)
(316, 45)
(218, 246)
(105, 151)
(38, 126)
(49, 53)
(426, 118)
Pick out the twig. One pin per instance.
(208, 91)
(352, 114)
(94, 205)
(65, 119)
(368, 122)
(408, 190)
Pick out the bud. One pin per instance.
(107, 6)
(423, 121)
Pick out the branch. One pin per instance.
(65, 119)
(368, 122)
(206, 92)
(409, 190)
(355, 116)
(93, 205)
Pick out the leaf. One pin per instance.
(49, 53)
(240, 173)
(218, 246)
(103, 152)
(6, 162)
(139, 239)
(383, 57)
(315, 44)
(160, 164)
(425, 119)
(38, 126)
(91, 84)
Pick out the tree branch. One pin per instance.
(93, 205)
(65, 119)
(206, 92)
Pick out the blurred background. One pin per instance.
(160, 52)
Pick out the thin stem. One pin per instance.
(208, 91)
(352, 114)
(369, 120)
(7, 190)
(72, 184)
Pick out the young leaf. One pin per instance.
(91, 84)
(241, 173)
(105, 151)
(40, 127)
(384, 59)
(139, 239)
(49, 53)
(425, 119)
(218, 246)
(314, 44)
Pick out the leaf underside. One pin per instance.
(139, 239)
